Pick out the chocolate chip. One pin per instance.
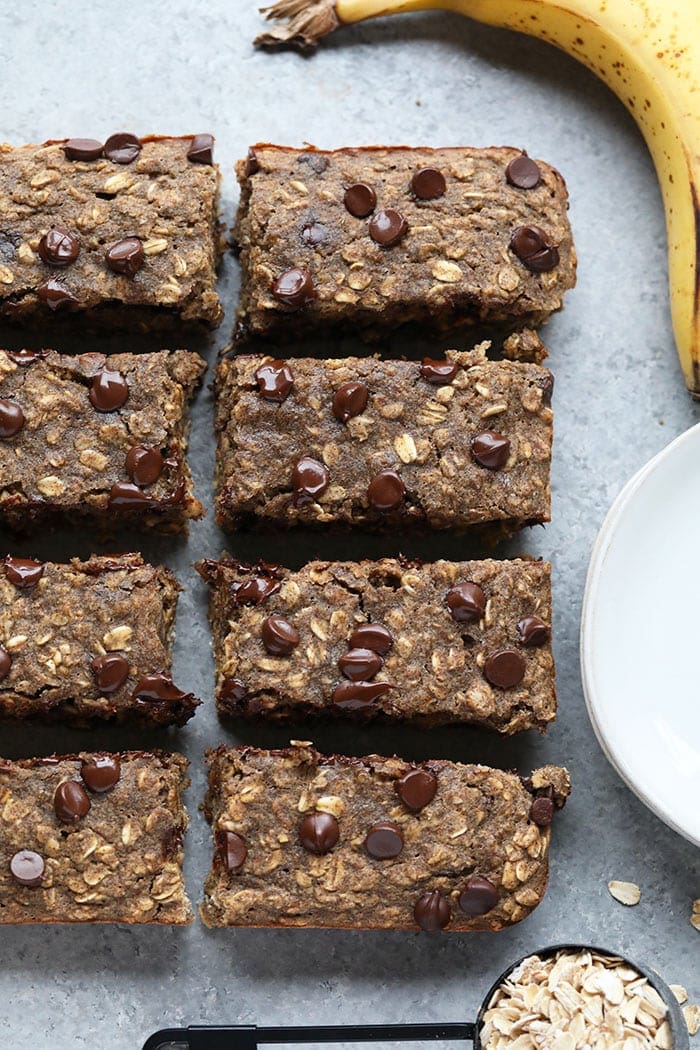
(252, 166)
(157, 687)
(350, 400)
(201, 149)
(491, 449)
(533, 632)
(384, 840)
(59, 247)
(532, 247)
(27, 868)
(547, 385)
(144, 464)
(26, 357)
(386, 490)
(275, 380)
(373, 636)
(439, 373)
(360, 199)
(101, 773)
(358, 696)
(319, 832)
(5, 663)
(428, 184)
(83, 149)
(126, 494)
(11, 418)
(255, 590)
(23, 572)
(523, 173)
(432, 911)
(125, 256)
(309, 481)
(387, 227)
(294, 288)
(71, 802)
(359, 665)
(55, 295)
(313, 233)
(279, 636)
(232, 850)
(416, 788)
(233, 689)
(478, 896)
(109, 390)
(466, 601)
(542, 811)
(122, 148)
(505, 668)
(110, 672)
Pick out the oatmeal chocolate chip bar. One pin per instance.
(369, 239)
(97, 438)
(89, 640)
(124, 232)
(447, 642)
(93, 837)
(375, 843)
(358, 441)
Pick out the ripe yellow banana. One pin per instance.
(647, 51)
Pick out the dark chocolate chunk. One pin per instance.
(71, 802)
(252, 166)
(55, 294)
(83, 149)
(428, 184)
(542, 811)
(432, 911)
(233, 689)
(359, 665)
(122, 148)
(533, 632)
(350, 400)
(201, 149)
(109, 390)
(386, 490)
(417, 788)
(110, 672)
(358, 696)
(387, 227)
(466, 602)
(126, 494)
(279, 636)
(505, 668)
(101, 773)
(255, 590)
(384, 840)
(144, 464)
(360, 200)
(275, 380)
(491, 449)
(126, 256)
(157, 687)
(232, 849)
(5, 663)
(547, 385)
(478, 897)
(26, 357)
(11, 418)
(533, 248)
(309, 480)
(523, 173)
(439, 373)
(27, 868)
(59, 247)
(319, 832)
(373, 636)
(294, 288)
(23, 572)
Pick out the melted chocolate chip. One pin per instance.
(466, 602)
(313, 233)
(101, 773)
(5, 663)
(350, 400)
(360, 200)
(55, 294)
(542, 811)
(428, 184)
(523, 173)
(439, 373)
(232, 850)
(279, 636)
(157, 687)
(109, 390)
(26, 357)
(491, 449)
(126, 256)
(547, 385)
(144, 464)
(373, 636)
(359, 665)
(23, 572)
(252, 166)
(505, 668)
(110, 672)
(59, 247)
(11, 418)
(319, 832)
(416, 788)
(386, 490)
(478, 897)
(83, 149)
(532, 247)
(201, 149)
(275, 380)
(432, 911)
(233, 689)
(294, 288)
(533, 632)
(309, 481)
(71, 802)
(384, 840)
(255, 590)
(126, 494)
(387, 227)
(358, 696)
(122, 148)
(27, 868)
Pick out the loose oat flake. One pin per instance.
(695, 915)
(576, 1001)
(692, 1018)
(625, 892)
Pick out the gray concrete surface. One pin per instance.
(91, 68)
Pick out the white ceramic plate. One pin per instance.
(640, 635)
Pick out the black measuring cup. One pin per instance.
(250, 1037)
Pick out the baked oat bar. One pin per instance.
(371, 238)
(358, 441)
(93, 837)
(97, 438)
(124, 232)
(375, 843)
(401, 641)
(88, 641)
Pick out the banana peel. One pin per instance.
(646, 51)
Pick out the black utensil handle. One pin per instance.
(249, 1037)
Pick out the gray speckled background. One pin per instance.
(89, 67)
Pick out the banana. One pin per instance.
(646, 51)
